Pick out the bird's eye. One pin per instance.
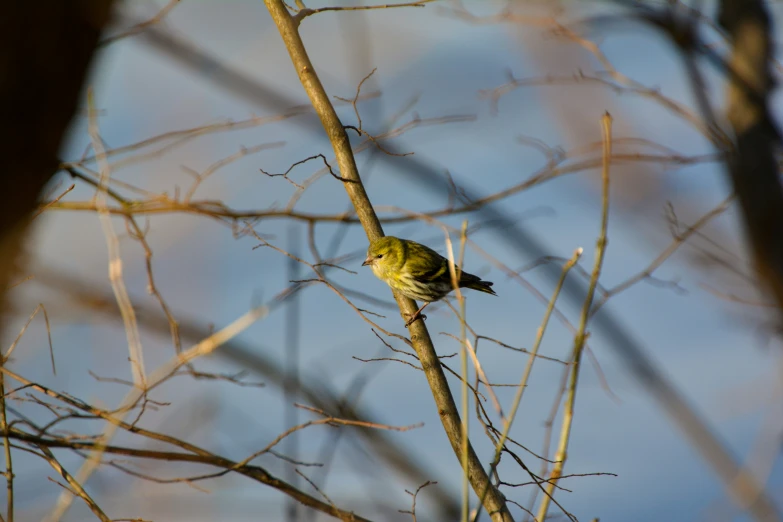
(380, 256)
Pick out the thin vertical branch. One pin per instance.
(537, 343)
(753, 164)
(152, 288)
(419, 335)
(581, 335)
(291, 383)
(9, 468)
(464, 364)
(113, 245)
(481, 375)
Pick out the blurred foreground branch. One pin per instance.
(753, 166)
(45, 52)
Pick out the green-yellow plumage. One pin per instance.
(417, 271)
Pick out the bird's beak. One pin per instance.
(367, 261)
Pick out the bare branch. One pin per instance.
(136, 29)
(305, 12)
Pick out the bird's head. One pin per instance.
(384, 253)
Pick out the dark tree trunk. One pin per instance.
(45, 51)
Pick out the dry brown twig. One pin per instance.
(40, 308)
(297, 185)
(304, 12)
(414, 496)
(115, 260)
(141, 236)
(356, 99)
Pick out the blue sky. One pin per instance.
(706, 346)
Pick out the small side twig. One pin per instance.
(297, 185)
(356, 98)
(38, 308)
(415, 494)
(305, 12)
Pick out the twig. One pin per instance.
(679, 239)
(364, 424)
(481, 376)
(305, 12)
(597, 474)
(455, 277)
(297, 185)
(115, 260)
(43, 207)
(139, 235)
(415, 494)
(38, 308)
(356, 98)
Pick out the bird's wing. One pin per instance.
(429, 266)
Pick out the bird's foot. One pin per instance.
(415, 316)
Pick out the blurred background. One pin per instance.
(496, 100)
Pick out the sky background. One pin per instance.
(712, 350)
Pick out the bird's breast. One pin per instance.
(378, 271)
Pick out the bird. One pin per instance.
(417, 271)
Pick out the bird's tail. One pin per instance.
(476, 283)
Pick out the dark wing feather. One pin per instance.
(476, 283)
(438, 270)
